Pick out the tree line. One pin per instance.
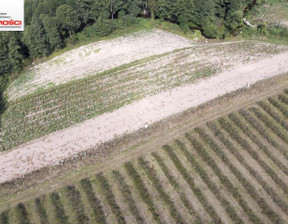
(51, 24)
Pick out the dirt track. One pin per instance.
(57, 146)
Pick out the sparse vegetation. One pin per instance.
(65, 105)
(229, 165)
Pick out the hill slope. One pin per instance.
(33, 116)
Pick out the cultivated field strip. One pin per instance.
(231, 170)
(37, 115)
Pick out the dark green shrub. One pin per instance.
(41, 211)
(23, 214)
(101, 28)
(4, 217)
(127, 20)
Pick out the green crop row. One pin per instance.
(58, 208)
(223, 179)
(109, 195)
(255, 139)
(143, 191)
(93, 201)
(41, 211)
(229, 145)
(76, 202)
(283, 98)
(23, 215)
(270, 124)
(198, 193)
(247, 147)
(176, 186)
(59, 108)
(279, 119)
(151, 173)
(279, 106)
(262, 131)
(126, 192)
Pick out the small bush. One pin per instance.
(58, 208)
(143, 191)
(270, 124)
(260, 145)
(126, 20)
(93, 201)
(101, 28)
(247, 147)
(75, 199)
(125, 190)
(41, 211)
(23, 214)
(283, 98)
(107, 190)
(4, 217)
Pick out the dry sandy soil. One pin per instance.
(80, 62)
(53, 148)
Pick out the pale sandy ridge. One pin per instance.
(98, 57)
(57, 146)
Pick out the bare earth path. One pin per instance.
(57, 146)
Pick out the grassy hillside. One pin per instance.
(230, 170)
(39, 114)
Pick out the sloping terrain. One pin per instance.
(51, 149)
(232, 169)
(94, 58)
(63, 106)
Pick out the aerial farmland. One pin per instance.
(142, 119)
